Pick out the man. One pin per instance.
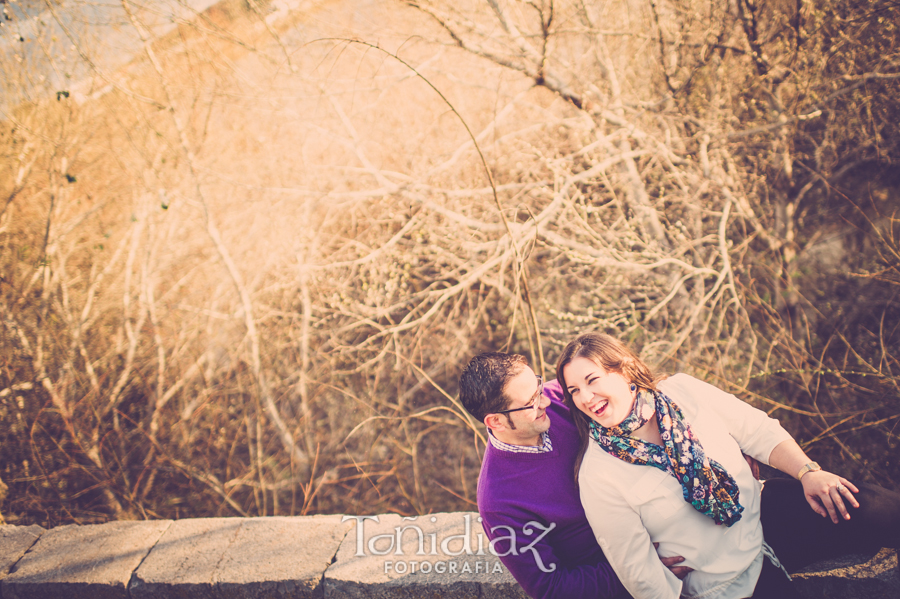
(527, 494)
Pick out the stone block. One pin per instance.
(441, 555)
(852, 577)
(14, 542)
(183, 563)
(279, 557)
(74, 561)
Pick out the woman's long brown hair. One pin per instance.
(613, 356)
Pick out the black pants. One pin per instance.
(800, 537)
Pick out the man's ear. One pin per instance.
(495, 422)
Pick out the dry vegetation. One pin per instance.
(241, 272)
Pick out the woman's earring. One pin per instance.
(633, 387)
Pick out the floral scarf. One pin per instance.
(705, 484)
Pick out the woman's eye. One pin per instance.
(593, 380)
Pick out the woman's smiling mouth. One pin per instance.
(600, 407)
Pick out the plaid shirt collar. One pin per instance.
(544, 447)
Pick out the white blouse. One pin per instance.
(631, 506)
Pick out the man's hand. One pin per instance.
(754, 466)
(669, 562)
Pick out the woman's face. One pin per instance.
(605, 397)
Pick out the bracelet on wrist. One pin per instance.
(810, 467)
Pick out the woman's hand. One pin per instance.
(827, 494)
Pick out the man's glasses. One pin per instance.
(533, 403)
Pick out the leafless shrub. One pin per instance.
(242, 271)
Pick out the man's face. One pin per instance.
(525, 426)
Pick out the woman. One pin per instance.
(662, 463)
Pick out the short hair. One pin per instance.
(483, 381)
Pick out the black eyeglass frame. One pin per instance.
(534, 401)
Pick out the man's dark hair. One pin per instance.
(483, 380)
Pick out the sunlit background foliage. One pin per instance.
(245, 248)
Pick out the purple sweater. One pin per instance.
(522, 495)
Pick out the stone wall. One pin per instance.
(385, 557)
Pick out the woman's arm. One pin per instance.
(825, 492)
(764, 439)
